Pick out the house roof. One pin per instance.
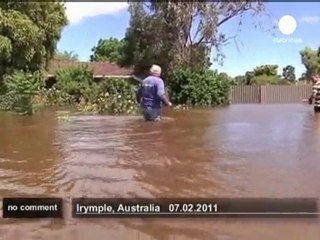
(99, 69)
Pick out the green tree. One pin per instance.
(268, 80)
(65, 55)
(268, 70)
(265, 75)
(248, 77)
(288, 73)
(240, 80)
(199, 88)
(311, 60)
(21, 87)
(29, 32)
(108, 50)
(302, 77)
(179, 34)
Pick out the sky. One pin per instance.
(253, 46)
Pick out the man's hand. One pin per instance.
(166, 101)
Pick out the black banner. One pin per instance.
(32, 208)
(241, 207)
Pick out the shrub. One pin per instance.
(2, 88)
(74, 81)
(56, 97)
(203, 88)
(7, 101)
(75, 86)
(23, 91)
(72, 85)
(114, 96)
(20, 87)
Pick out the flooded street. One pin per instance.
(236, 151)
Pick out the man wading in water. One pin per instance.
(151, 95)
(315, 93)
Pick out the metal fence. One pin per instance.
(269, 94)
(245, 94)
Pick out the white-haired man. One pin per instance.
(152, 94)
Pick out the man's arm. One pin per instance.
(161, 93)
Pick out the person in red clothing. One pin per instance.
(315, 97)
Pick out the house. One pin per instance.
(100, 70)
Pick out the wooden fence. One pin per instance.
(269, 94)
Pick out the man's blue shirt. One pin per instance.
(151, 92)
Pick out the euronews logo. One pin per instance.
(287, 25)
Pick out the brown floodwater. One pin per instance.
(235, 151)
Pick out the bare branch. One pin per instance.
(233, 14)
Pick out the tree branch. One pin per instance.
(233, 14)
(241, 10)
(187, 32)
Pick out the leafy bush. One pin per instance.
(203, 88)
(114, 96)
(75, 86)
(20, 87)
(7, 101)
(2, 88)
(74, 81)
(56, 97)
